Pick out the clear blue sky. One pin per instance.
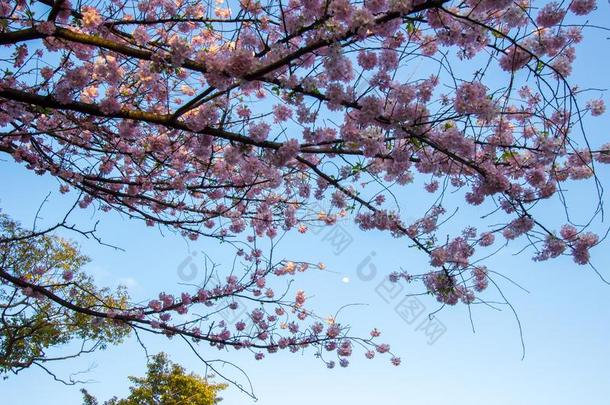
(565, 316)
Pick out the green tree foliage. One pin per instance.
(166, 383)
(41, 281)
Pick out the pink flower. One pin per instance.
(5, 9)
(568, 232)
(91, 18)
(300, 298)
(582, 7)
(603, 156)
(376, 6)
(20, 54)
(186, 298)
(155, 305)
(518, 227)
(110, 104)
(514, 59)
(438, 257)
(383, 348)
(580, 250)
(338, 67)
(241, 62)
(140, 35)
(552, 248)
(281, 113)
(480, 278)
(471, 98)
(333, 331)
(367, 60)
(432, 186)
(259, 131)
(551, 14)
(486, 239)
(597, 107)
(287, 152)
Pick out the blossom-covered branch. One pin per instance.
(154, 109)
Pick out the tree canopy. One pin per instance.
(165, 383)
(47, 301)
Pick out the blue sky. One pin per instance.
(565, 316)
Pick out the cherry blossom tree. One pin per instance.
(232, 120)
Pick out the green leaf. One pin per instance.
(410, 27)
